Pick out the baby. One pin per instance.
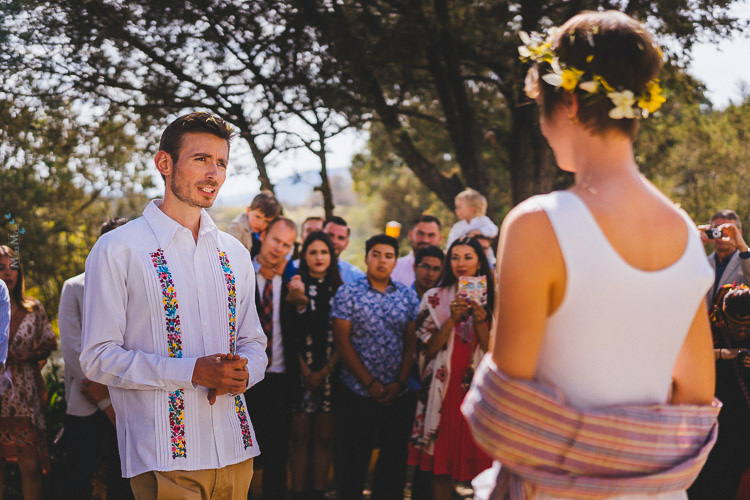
(471, 207)
(249, 227)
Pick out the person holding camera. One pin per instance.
(731, 256)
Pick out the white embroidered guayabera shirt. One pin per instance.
(155, 300)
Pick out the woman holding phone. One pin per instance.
(452, 335)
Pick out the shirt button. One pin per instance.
(200, 291)
(205, 324)
(217, 427)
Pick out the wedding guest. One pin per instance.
(428, 265)
(339, 232)
(89, 416)
(425, 232)
(373, 326)
(310, 326)
(31, 340)
(270, 401)
(471, 210)
(452, 336)
(248, 227)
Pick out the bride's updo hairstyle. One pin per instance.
(600, 48)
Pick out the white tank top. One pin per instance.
(616, 336)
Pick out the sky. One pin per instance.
(721, 65)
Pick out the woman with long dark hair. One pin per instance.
(310, 325)
(452, 333)
(23, 435)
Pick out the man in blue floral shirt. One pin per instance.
(373, 324)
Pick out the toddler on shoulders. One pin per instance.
(470, 209)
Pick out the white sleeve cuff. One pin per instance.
(104, 403)
(180, 371)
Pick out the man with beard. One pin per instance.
(731, 257)
(170, 326)
(426, 232)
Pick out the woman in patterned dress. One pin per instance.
(23, 436)
(311, 328)
(452, 335)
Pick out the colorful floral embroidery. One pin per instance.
(174, 343)
(232, 299)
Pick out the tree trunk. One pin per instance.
(325, 185)
(260, 161)
(531, 168)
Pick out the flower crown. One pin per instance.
(538, 49)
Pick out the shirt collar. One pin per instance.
(165, 227)
(390, 288)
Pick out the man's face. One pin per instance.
(380, 261)
(311, 226)
(277, 243)
(427, 272)
(723, 246)
(425, 234)
(340, 236)
(258, 220)
(200, 171)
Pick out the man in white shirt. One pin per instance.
(169, 324)
(339, 232)
(424, 233)
(89, 417)
(270, 401)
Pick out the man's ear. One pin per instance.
(163, 162)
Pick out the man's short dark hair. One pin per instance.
(428, 219)
(266, 202)
(313, 217)
(339, 221)
(171, 138)
(428, 251)
(110, 224)
(727, 214)
(284, 220)
(381, 239)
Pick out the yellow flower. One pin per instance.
(651, 100)
(570, 78)
(604, 83)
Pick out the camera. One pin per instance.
(713, 233)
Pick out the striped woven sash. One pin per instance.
(547, 446)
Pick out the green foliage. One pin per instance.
(700, 158)
(60, 180)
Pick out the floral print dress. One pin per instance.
(313, 336)
(22, 426)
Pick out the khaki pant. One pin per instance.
(232, 482)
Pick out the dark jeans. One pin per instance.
(269, 404)
(86, 440)
(360, 424)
